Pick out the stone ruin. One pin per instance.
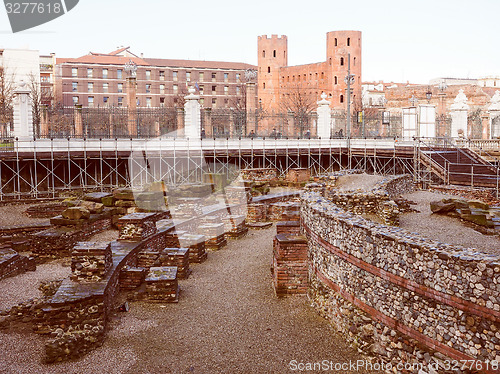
(153, 252)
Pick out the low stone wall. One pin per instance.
(484, 194)
(391, 291)
(11, 263)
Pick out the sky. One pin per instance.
(402, 40)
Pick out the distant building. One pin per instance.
(277, 80)
(99, 79)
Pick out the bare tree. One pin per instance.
(6, 99)
(298, 102)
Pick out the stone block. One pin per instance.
(76, 213)
(136, 226)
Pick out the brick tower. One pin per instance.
(338, 45)
(272, 55)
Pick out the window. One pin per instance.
(105, 87)
(90, 73)
(330, 61)
(162, 101)
(226, 77)
(264, 85)
(316, 76)
(175, 75)
(264, 53)
(148, 102)
(341, 98)
(119, 74)
(202, 101)
(348, 42)
(214, 90)
(335, 79)
(74, 86)
(342, 61)
(322, 75)
(214, 101)
(148, 74)
(268, 69)
(75, 99)
(176, 89)
(214, 76)
(226, 90)
(105, 99)
(238, 90)
(74, 72)
(237, 77)
(120, 87)
(274, 53)
(148, 88)
(162, 75)
(90, 87)
(354, 61)
(201, 90)
(188, 76)
(162, 89)
(336, 42)
(120, 101)
(105, 73)
(91, 101)
(202, 77)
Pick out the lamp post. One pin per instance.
(441, 128)
(349, 79)
(428, 95)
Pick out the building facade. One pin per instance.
(97, 80)
(282, 86)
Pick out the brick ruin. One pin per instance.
(152, 254)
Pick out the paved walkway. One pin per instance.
(228, 320)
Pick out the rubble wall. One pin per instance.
(393, 291)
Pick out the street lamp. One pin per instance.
(428, 94)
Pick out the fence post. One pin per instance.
(192, 115)
(44, 121)
(324, 130)
(132, 106)
(23, 116)
(78, 120)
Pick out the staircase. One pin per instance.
(459, 166)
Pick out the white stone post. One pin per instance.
(324, 128)
(23, 115)
(192, 115)
(410, 129)
(494, 110)
(427, 121)
(459, 110)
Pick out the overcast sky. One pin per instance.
(402, 40)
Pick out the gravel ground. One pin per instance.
(23, 287)
(445, 229)
(105, 236)
(364, 182)
(228, 320)
(11, 215)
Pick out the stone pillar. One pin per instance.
(494, 117)
(23, 115)
(44, 121)
(180, 122)
(485, 122)
(410, 122)
(459, 110)
(192, 115)
(324, 118)
(132, 106)
(78, 121)
(251, 107)
(427, 120)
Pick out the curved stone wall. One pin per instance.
(408, 288)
